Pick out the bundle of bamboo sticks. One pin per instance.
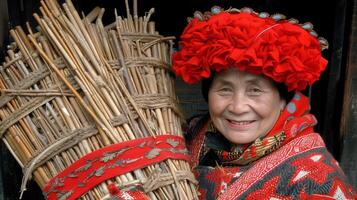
(76, 86)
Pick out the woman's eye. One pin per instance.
(254, 91)
(225, 91)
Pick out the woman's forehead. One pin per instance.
(236, 75)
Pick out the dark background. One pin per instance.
(331, 20)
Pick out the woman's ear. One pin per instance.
(282, 104)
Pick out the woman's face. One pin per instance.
(243, 106)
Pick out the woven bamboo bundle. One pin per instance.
(76, 86)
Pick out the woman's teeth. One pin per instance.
(240, 122)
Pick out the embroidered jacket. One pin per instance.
(294, 163)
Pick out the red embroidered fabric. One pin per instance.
(112, 161)
(196, 146)
(267, 164)
(115, 193)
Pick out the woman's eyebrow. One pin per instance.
(222, 81)
(253, 80)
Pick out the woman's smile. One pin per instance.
(240, 124)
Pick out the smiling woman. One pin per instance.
(256, 142)
(243, 106)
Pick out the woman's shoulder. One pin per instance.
(318, 171)
(309, 152)
(307, 174)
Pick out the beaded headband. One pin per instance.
(284, 50)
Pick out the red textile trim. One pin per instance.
(124, 195)
(267, 164)
(112, 161)
(131, 195)
(195, 147)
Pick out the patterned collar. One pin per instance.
(292, 122)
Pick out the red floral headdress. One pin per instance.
(281, 49)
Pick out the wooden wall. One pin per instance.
(349, 114)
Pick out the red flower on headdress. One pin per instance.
(282, 51)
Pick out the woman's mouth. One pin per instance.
(239, 124)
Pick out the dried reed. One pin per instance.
(64, 86)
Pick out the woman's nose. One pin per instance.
(238, 104)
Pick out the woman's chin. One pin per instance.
(240, 137)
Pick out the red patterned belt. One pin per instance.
(111, 161)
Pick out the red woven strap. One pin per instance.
(112, 161)
(116, 194)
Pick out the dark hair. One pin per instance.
(206, 85)
(283, 92)
(282, 88)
